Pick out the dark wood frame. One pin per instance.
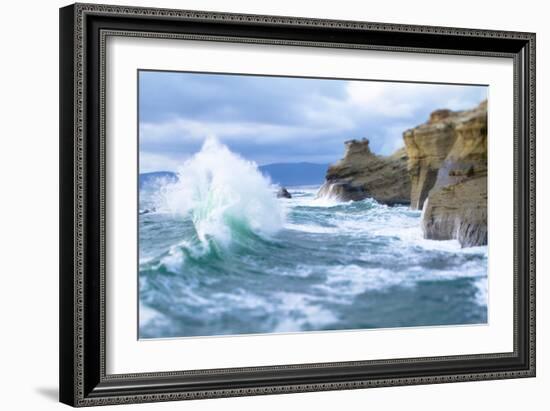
(83, 30)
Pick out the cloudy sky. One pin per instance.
(281, 119)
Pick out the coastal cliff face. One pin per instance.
(427, 147)
(361, 174)
(442, 170)
(448, 169)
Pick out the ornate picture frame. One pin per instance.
(84, 30)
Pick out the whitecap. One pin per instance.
(298, 313)
(300, 271)
(147, 315)
(241, 299)
(327, 202)
(311, 228)
(344, 282)
(350, 280)
(217, 189)
(482, 291)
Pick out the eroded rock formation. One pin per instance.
(361, 174)
(442, 170)
(283, 193)
(448, 169)
(427, 147)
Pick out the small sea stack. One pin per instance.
(362, 174)
(283, 193)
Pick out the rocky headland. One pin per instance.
(449, 178)
(442, 170)
(361, 174)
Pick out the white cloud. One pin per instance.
(380, 111)
(385, 99)
(263, 133)
(405, 100)
(149, 162)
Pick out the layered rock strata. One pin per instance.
(442, 170)
(448, 170)
(361, 174)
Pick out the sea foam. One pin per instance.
(223, 194)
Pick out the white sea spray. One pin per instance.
(221, 191)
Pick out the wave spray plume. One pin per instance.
(224, 195)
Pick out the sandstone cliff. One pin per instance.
(427, 147)
(361, 174)
(448, 170)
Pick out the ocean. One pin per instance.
(219, 254)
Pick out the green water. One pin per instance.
(329, 266)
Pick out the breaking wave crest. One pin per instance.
(224, 196)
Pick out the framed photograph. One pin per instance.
(261, 204)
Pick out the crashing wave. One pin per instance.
(224, 195)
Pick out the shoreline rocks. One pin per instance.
(442, 170)
(448, 168)
(427, 147)
(283, 193)
(362, 174)
(454, 212)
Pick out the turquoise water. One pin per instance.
(240, 261)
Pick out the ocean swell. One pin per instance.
(221, 255)
(224, 196)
